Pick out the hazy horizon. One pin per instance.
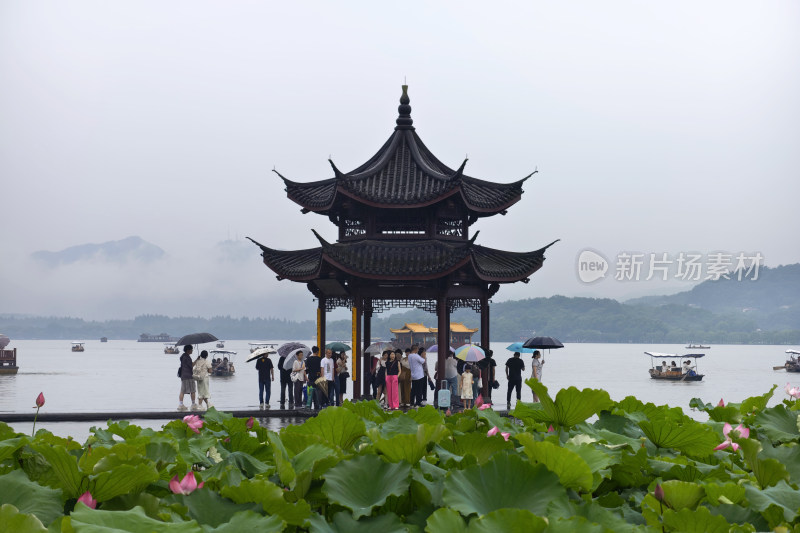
(658, 129)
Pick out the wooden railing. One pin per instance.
(8, 356)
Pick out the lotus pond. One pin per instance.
(634, 467)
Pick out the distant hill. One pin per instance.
(125, 250)
(772, 301)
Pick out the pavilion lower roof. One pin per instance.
(407, 260)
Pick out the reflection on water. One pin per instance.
(131, 376)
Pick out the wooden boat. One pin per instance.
(697, 347)
(171, 349)
(793, 363)
(77, 346)
(103, 339)
(221, 344)
(222, 363)
(673, 373)
(8, 361)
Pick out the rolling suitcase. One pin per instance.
(443, 396)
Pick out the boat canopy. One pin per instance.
(222, 352)
(78, 342)
(262, 343)
(660, 355)
(793, 352)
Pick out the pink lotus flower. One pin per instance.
(794, 392)
(741, 432)
(721, 403)
(550, 429)
(250, 423)
(658, 492)
(505, 435)
(479, 401)
(40, 400)
(194, 422)
(492, 432)
(185, 486)
(87, 500)
(485, 406)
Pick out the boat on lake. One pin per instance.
(697, 347)
(668, 372)
(103, 339)
(161, 337)
(8, 358)
(221, 344)
(78, 346)
(258, 345)
(222, 363)
(171, 348)
(793, 362)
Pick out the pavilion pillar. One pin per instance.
(321, 318)
(366, 363)
(356, 345)
(485, 343)
(443, 314)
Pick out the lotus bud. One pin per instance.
(721, 403)
(40, 400)
(658, 492)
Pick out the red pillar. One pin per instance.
(443, 315)
(485, 342)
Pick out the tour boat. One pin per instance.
(697, 347)
(224, 363)
(171, 349)
(77, 346)
(793, 363)
(258, 345)
(673, 373)
(8, 358)
(221, 344)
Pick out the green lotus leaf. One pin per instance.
(209, 508)
(161, 450)
(445, 520)
(571, 469)
(476, 444)
(571, 406)
(427, 415)
(788, 456)
(741, 517)
(509, 521)
(782, 495)
(13, 520)
(150, 504)
(506, 481)
(682, 494)
(731, 492)
(344, 523)
(364, 482)
(730, 413)
(699, 520)
(338, 427)
(757, 403)
(779, 424)
(317, 459)
(626, 425)
(212, 416)
(123, 479)
(631, 406)
(576, 524)
(399, 424)
(64, 466)
(611, 439)
(689, 437)
(409, 447)
(84, 519)
(9, 446)
(492, 418)
(249, 465)
(767, 472)
(270, 496)
(29, 497)
(282, 461)
(370, 410)
(531, 414)
(249, 521)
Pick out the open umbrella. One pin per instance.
(542, 343)
(518, 347)
(337, 347)
(291, 353)
(377, 348)
(196, 338)
(470, 353)
(260, 353)
(435, 349)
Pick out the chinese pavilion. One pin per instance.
(404, 241)
(413, 333)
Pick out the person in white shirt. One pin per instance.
(328, 373)
(417, 363)
(537, 369)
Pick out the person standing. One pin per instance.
(202, 369)
(313, 365)
(187, 380)
(466, 387)
(537, 369)
(266, 374)
(335, 396)
(342, 373)
(392, 373)
(514, 368)
(417, 362)
(328, 372)
(488, 367)
(451, 375)
(298, 376)
(286, 381)
(380, 378)
(404, 378)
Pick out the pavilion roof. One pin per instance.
(413, 327)
(403, 260)
(404, 173)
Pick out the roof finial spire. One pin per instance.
(404, 121)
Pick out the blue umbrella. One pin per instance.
(518, 347)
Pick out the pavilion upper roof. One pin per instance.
(404, 173)
(414, 327)
(403, 260)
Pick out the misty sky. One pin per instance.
(656, 127)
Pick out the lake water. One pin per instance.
(133, 376)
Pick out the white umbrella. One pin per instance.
(292, 357)
(260, 352)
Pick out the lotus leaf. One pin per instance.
(344, 523)
(427, 415)
(767, 472)
(64, 466)
(782, 495)
(209, 508)
(509, 521)
(689, 437)
(779, 424)
(249, 521)
(371, 410)
(575, 524)
(445, 520)
(730, 491)
(133, 521)
(9, 446)
(123, 479)
(338, 427)
(571, 406)
(282, 461)
(699, 520)
(365, 482)
(788, 456)
(505, 481)
(270, 496)
(757, 403)
(13, 520)
(476, 444)
(29, 497)
(571, 469)
(317, 459)
(682, 494)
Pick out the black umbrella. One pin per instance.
(196, 338)
(542, 343)
(292, 347)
